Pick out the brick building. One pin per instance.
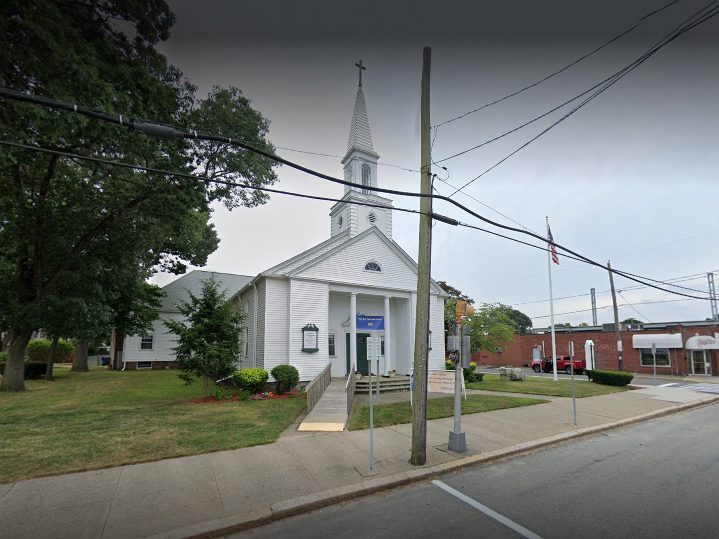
(683, 348)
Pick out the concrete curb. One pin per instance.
(236, 523)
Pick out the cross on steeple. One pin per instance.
(361, 68)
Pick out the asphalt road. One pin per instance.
(658, 479)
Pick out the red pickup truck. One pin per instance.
(563, 364)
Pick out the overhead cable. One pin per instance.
(171, 132)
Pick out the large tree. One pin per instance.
(491, 327)
(209, 337)
(79, 232)
(450, 305)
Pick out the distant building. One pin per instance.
(683, 348)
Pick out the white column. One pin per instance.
(353, 331)
(387, 336)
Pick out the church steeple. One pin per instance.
(360, 168)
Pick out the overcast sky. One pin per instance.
(630, 177)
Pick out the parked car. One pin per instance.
(563, 364)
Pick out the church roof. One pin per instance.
(308, 255)
(178, 289)
(360, 136)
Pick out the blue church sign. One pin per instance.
(370, 323)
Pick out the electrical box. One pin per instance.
(453, 343)
(466, 355)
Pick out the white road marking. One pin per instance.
(487, 511)
(669, 385)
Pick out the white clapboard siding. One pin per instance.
(347, 266)
(436, 325)
(247, 303)
(276, 318)
(162, 342)
(309, 306)
(261, 301)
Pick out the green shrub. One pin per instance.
(243, 396)
(473, 376)
(33, 369)
(610, 378)
(39, 350)
(287, 377)
(252, 380)
(449, 364)
(4, 355)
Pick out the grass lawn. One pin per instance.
(397, 413)
(545, 386)
(86, 421)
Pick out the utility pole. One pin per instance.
(594, 307)
(712, 296)
(616, 319)
(424, 258)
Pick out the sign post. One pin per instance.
(571, 362)
(654, 355)
(370, 350)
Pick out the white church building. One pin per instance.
(315, 309)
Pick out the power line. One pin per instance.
(610, 306)
(536, 83)
(199, 177)
(604, 85)
(171, 132)
(556, 72)
(632, 306)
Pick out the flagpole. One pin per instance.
(551, 305)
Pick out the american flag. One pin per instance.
(552, 248)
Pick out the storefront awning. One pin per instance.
(702, 342)
(661, 340)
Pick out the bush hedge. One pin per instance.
(33, 369)
(469, 374)
(39, 350)
(287, 377)
(610, 378)
(252, 380)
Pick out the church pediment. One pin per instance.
(369, 259)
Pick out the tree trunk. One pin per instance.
(79, 364)
(14, 376)
(207, 385)
(51, 359)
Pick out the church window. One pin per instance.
(372, 266)
(372, 217)
(339, 222)
(366, 178)
(331, 344)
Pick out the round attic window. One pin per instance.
(372, 217)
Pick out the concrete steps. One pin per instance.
(386, 384)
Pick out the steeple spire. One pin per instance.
(360, 136)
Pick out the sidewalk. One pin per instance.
(219, 493)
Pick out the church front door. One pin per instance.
(361, 353)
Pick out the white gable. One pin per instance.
(346, 264)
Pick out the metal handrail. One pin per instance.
(350, 391)
(317, 387)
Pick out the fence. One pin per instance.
(317, 387)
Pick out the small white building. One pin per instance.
(359, 271)
(154, 350)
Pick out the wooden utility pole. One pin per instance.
(616, 319)
(424, 258)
